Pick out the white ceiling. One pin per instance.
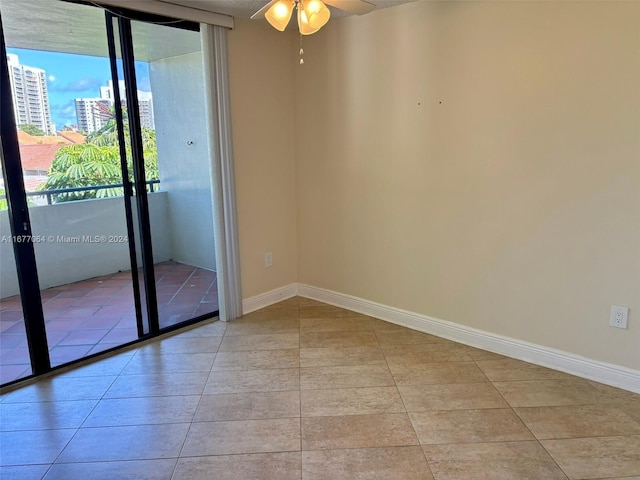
(52, 25)
(55, 26)
(246, 8)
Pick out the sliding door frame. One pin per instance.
(140, 181)
(126, 183)
(24, 252)
(20, 225)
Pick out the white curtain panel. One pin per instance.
(218, 107)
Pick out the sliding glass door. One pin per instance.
(108, 165)
(176, 153)
(83, 260)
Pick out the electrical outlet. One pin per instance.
(619, 316)
(268, 259)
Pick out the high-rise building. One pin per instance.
(146, 111)
(30, 95)
(91, 111)
(145, 102)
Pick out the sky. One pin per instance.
(72, 76)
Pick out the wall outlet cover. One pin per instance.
(619, 316)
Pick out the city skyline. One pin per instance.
(71, 76)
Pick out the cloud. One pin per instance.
(51, 78)
(81, 85)
(64, 114)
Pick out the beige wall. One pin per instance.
(261, 78)
(477, 162)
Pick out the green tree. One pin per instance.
(85, 166)
(31, 130)
(97, 162)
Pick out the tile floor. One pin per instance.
(96, 314)
(306, 390)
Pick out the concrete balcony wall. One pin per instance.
(67, 255)
(184, 161)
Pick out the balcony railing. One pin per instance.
(64, 245)
(49, 193)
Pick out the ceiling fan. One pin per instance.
(312, 14)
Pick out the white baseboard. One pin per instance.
(602, 372)
(269, 298)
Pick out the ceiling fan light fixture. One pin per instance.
(308, 21)
(279, 14)
(317, 13)
(303, 23)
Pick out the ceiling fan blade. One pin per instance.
(356, 7)
(260, 13)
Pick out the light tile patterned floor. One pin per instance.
(302, 390)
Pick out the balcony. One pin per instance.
(86, 286)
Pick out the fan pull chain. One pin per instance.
(301, 51)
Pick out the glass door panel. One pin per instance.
(15, 362)
(71, 165)
(170, 91)
(117, 92)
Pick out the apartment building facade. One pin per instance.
(30, 95)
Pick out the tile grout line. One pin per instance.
(195, 412)
(424, 455)
(523, 422)
(55, 461)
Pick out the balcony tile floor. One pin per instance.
(303, 390)
(93, 315)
